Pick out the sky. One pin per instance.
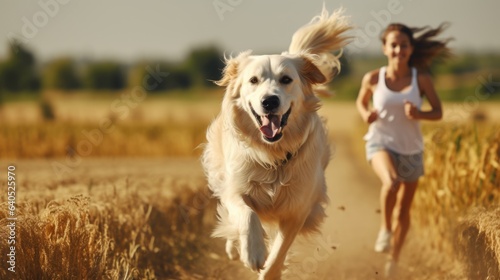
(131, 30)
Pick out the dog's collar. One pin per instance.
(287, 159)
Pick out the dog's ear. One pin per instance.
(230, 72)
(311, 73)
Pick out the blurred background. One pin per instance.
(88, 62)
(104, 106)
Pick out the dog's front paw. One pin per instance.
(253, 251)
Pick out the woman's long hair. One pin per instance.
(426, 48)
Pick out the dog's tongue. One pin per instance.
(270, 125)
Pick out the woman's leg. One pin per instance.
(383, 166)
(402, 226)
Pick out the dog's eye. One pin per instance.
(254, 80)
(285, 80)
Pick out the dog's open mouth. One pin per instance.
(271, 126)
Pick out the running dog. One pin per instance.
(267, 149)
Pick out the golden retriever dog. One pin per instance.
(267, 149)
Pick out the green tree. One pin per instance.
(157, 76)
(458, 65)
(345, 66)
(205, 65)
(61, 74)
(105, 75)
(18, 72)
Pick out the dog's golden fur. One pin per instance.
(266, 165)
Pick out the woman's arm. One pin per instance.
(427, 88)
(363, 100)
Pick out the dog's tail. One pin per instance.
(323, 37)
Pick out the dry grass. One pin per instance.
(56, 139)
(44, 239)
(462, 165)
(110, 228)
(105, 126)
(479, 243)
(462, 179)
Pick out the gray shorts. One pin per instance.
(408, 167)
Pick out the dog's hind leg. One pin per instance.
(288, 230)
(231, 249)
(227, 229)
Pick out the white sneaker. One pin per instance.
(383, 243)
(390, 269)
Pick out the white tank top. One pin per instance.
(393, 129)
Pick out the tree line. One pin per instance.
(20, 72)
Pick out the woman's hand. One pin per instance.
(411, 111)
(371, 116)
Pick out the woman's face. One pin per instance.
(397, 47)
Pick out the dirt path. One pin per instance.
(344, 250)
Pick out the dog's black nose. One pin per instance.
(270, 103)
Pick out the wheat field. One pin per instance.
(100, 222)
(458, 199)
(123, 211)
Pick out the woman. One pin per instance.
(394, 144)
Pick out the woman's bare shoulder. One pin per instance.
(424, 79)
(371, 78)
